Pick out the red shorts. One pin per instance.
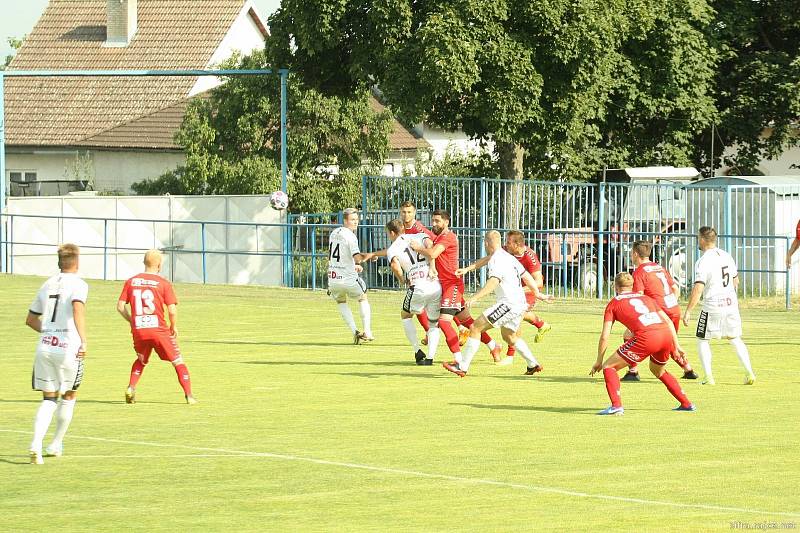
(165, 346)
(656, 344)
(676, 319)
(452, 296)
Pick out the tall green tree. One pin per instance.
(232, 142)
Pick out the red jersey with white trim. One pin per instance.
(147, 295)
(419, 227)
(637, 312)
(652, 280)
(530, 261)
(447, 262)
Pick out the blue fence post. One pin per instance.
(364, 196)
(203, 248)
(313, 257)
(601, 224)
(484, 217)
(727, 220)
(105, 248)
(564, 264)
(284, 73)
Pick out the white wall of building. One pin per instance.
(116, 171)
(441, 140)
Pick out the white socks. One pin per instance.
(470, 348)
(704, 352)
(63, 418)
(347, 315)
(434, 333)
(742, 354)
(522, 347)
(411, 333)
(366, 316)
(42, 421)
(491, 344)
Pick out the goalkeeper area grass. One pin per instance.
(297, 429)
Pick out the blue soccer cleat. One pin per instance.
(611, 410)
(688, 408)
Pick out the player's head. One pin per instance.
(706, 237)
(68, 256)
(350, 218)
(153, 260)
(394, 228)
(515, 242)
(640, 252)
(440, 221)
(623, 282)
(492, 241)
(408, 212)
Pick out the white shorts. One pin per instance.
(342, 288)
(506, 315)
(53, 372)
(723, 323)
(426, 297)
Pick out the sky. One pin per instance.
(19, 20)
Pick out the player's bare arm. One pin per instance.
(122, 309)
(694, 299)
(792, 249)
(530, 284)
(674, 333)
(397, 270)
(736, 282)
(34, 321)
(430, 253)
(172, 310)
(480, 263)
(602, 346)
(79, 315)
(490, 286)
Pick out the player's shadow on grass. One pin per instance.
(108, 402)
(542, 408)
(19, 461)
(282, 343)
(323, 363)
(373, 375)
(552, 379)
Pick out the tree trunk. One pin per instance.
(511, 160)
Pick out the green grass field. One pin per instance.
(297, 429)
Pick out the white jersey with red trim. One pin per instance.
(53, 303)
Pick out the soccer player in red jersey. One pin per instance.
(147, 294)
(793, 247)
(445, 254)
(652, 280)
(653, 336)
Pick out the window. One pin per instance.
(20, 176)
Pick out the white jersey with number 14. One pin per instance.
(343, 246)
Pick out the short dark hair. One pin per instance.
(516, 237)
(442, 213)
(707, 233)
(408, 203)
(68, 255)
(395, 226)
(643, 248)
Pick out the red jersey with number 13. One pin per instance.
(147, 295)
(447, 262)
(637, 312)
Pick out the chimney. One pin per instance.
(121, 22)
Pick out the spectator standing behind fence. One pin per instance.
(716, 279)
(794, 246)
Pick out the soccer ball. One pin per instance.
(278, 200)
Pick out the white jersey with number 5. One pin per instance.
(415, 265)
(716, 269)
(54, 304)
(343, 246)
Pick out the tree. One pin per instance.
(544, 78)
(757, 81)
(232, 142)
(15, 45)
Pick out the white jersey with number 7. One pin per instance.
(54, 304)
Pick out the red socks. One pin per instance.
(612, 386)
(183, 379)
(674, 388)
(423, 320)
(450, 335)
(136, 373)
(681, 360)
(511, 350)
(538, 322)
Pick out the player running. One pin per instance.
(423, 294)
(445, 253)
(344, 258)
(147, 294)
(652, 280)
(505, 273)
(654, 336)
(716, 279)
(58, 314)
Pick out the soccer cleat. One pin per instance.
(709, 380)
(36, 458)
(419, 357)
(687, 408)
(541, 333)
(130, 395)
(690, 374)
(750, 379)
(531, 370)
(424, 340)
(631, 376)
(190, 400)
(54, 451)
(463, 335)
(505, 361)
(611, 410)
(497, 353)
(365, 337)
(426, 362)
(454, 368)
(357, 337)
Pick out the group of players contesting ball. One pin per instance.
(426, 261)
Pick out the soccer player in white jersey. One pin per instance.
(505, 273)
(344, 257)
(716, 280)
(424, 293)
(59, 314)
